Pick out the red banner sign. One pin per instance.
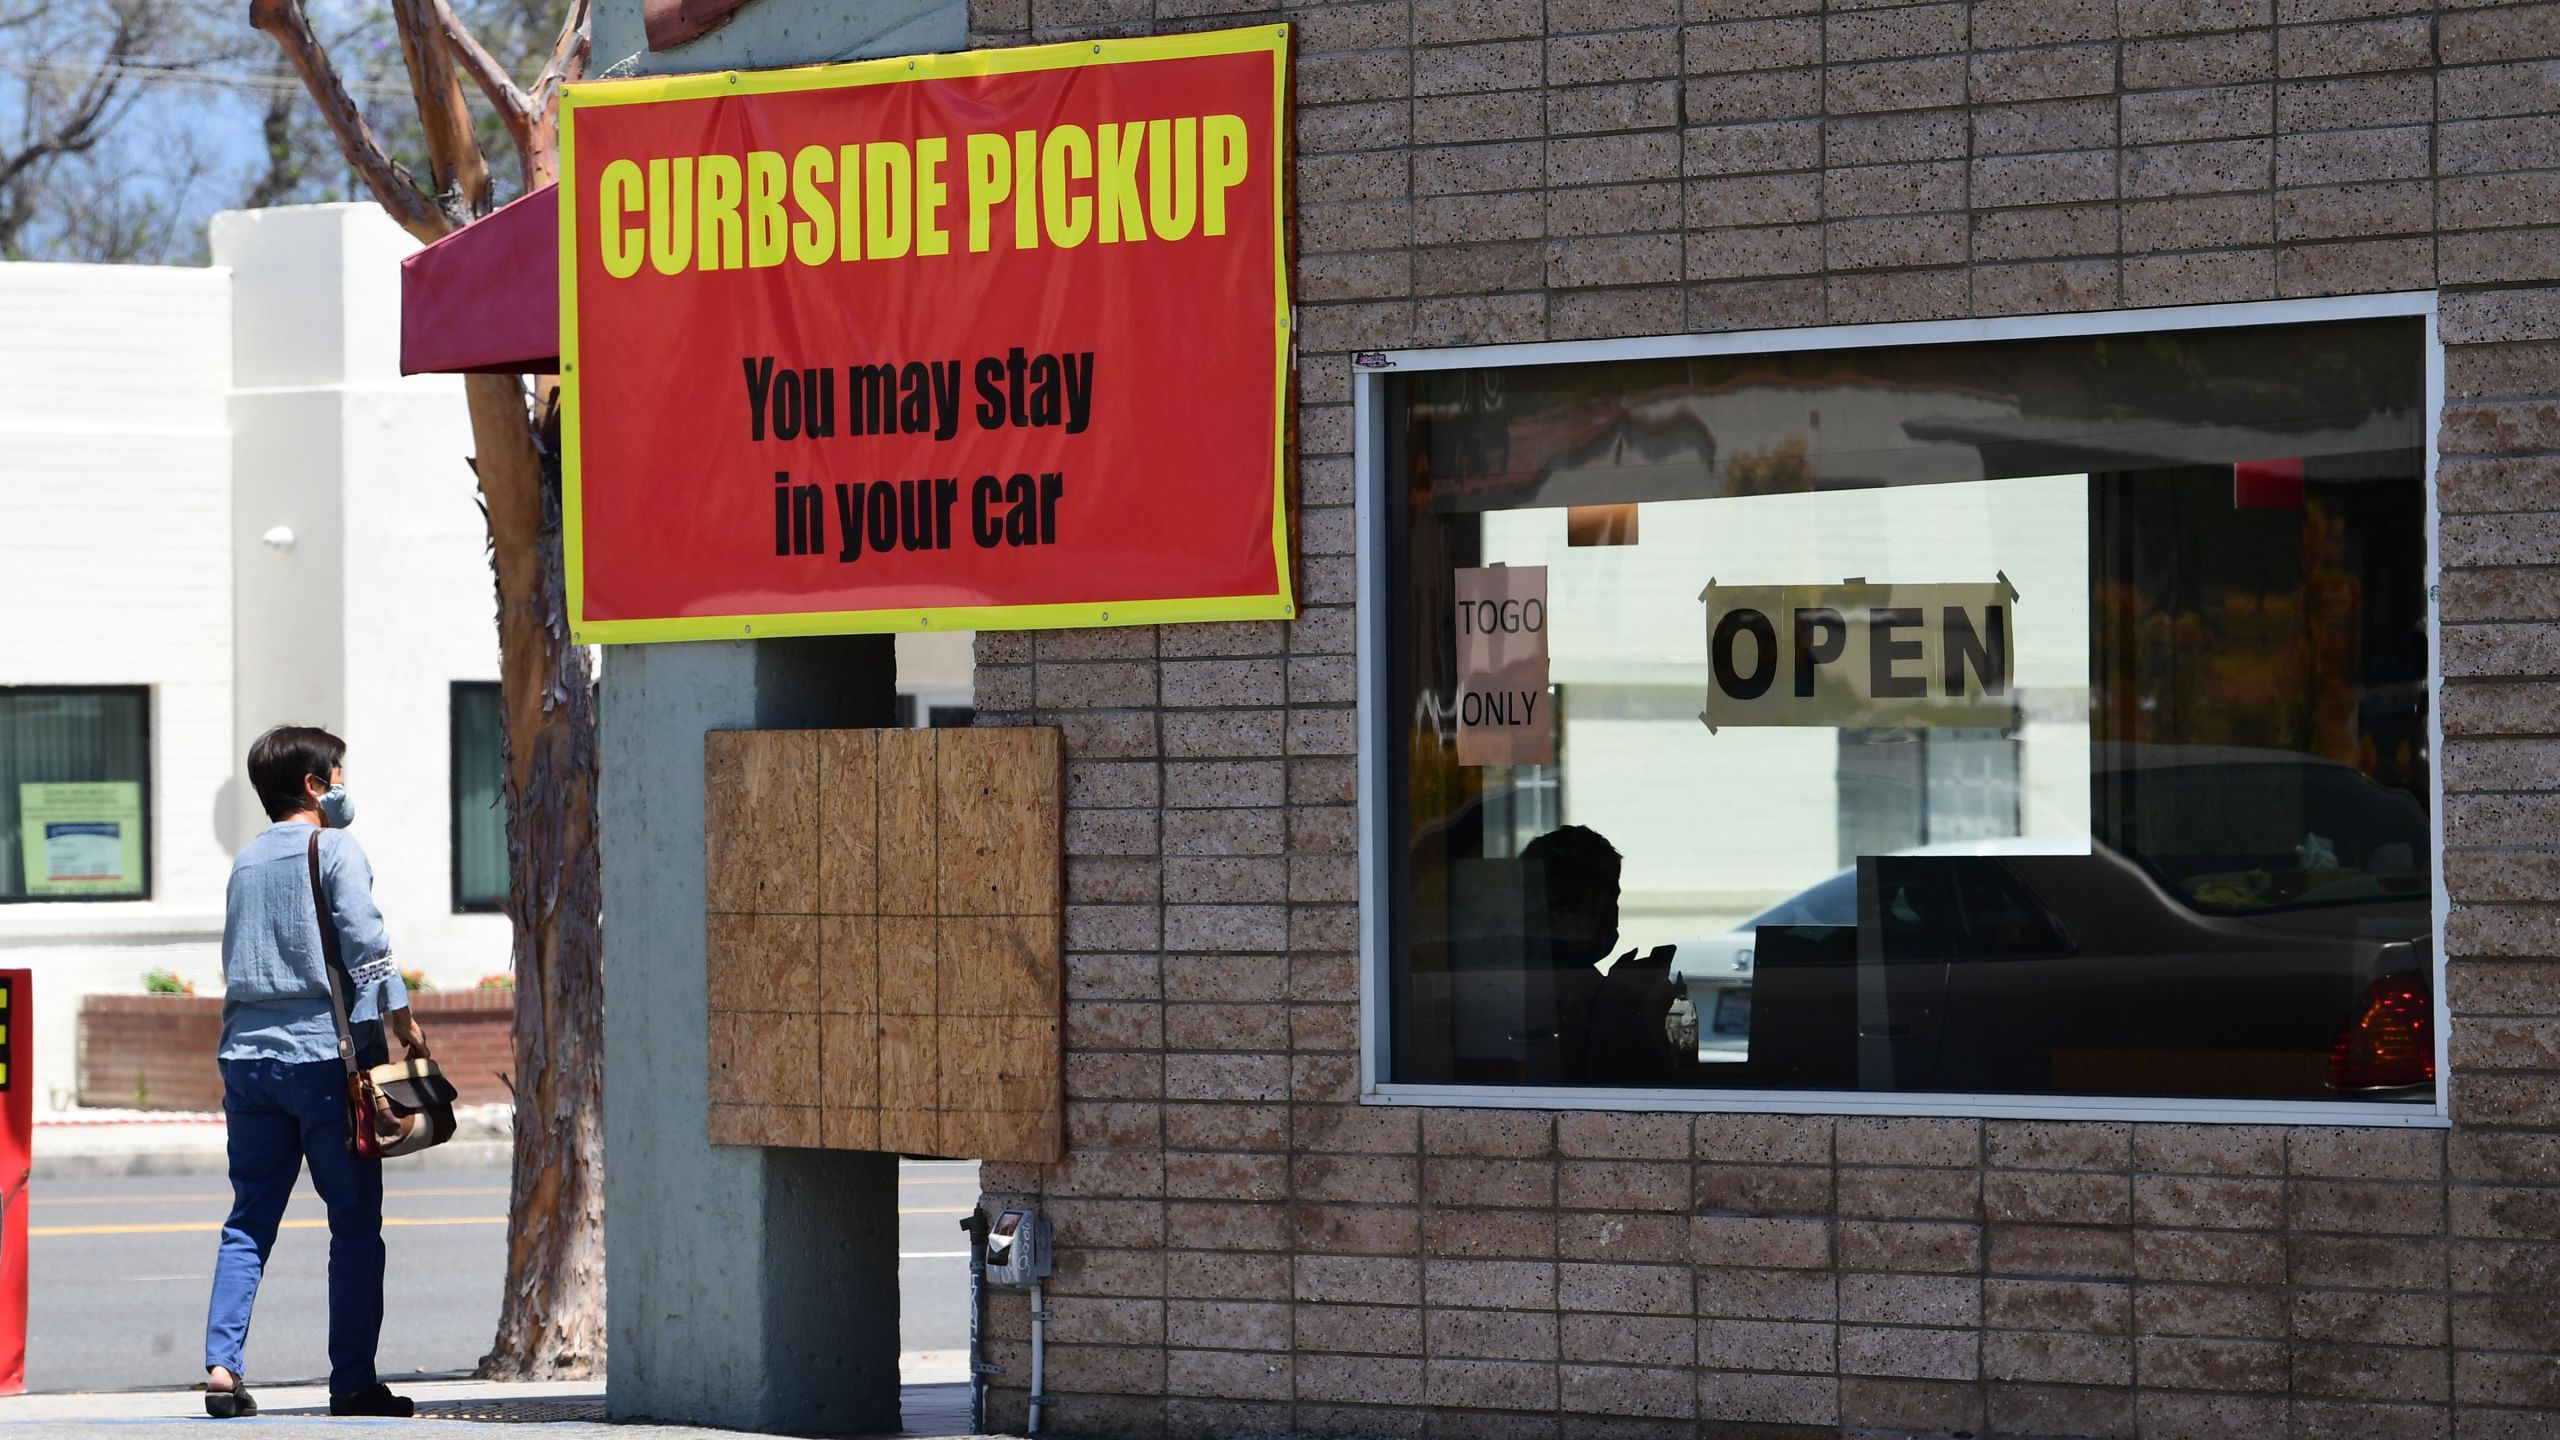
(989, 340)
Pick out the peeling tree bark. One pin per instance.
(552, 1321)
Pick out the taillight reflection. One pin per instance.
(2388, 1040)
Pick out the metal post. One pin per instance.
(1039, 1359)
(976, 1224)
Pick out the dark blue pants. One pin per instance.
(281, 1115)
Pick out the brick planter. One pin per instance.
(155, 1052)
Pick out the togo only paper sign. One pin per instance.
(1505, 715)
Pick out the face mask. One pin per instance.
(337, 812)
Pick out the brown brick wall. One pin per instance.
(1242, 1247)
(155, 1052)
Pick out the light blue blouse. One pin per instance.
(275, 1002)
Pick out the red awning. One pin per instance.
(486, 298)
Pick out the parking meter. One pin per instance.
(1018, 1259)
(1018, 1249)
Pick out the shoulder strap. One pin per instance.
(339, 982)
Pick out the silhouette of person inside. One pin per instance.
(1611, 1027)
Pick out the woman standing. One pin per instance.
(284, 1095)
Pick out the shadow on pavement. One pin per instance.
(926, 1410)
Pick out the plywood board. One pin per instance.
(990, 1063)
(766, 963)
(907, 981)
(849, 1128)
(907, 848)
(997, 814)
(848, 965)
(848, 822)
(996, 965)
(910, 1132)
(910, 1087)
(759, 815)
(848, 1062)
(909, 1063)
(985, 1132)
(885, 940)
(765, 1125)
(764, 1059)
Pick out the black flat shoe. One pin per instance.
(235, 1403)
(374, 1399)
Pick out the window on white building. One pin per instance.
(75, 793)
(2020, 717)
(479, 797)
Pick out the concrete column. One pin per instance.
(752, 1289)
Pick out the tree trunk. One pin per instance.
(551, 1322)
(551, 1318)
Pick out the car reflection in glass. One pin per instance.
(2247, 923)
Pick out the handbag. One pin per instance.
(395, 1109)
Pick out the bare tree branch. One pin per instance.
(568, 65)
(82, 124)
(391, 183)
(454, 161)
(58, 124)
(284, 159)
(515, 110)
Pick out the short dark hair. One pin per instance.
(1577, 862)
(282, 756)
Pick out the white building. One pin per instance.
(225, 509)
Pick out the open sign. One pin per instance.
(1856, 654)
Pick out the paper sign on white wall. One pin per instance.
(81, 839)
(1505, 715)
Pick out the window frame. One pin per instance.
(150, 794)
(1378, 603)
(453, 790)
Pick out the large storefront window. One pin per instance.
(2027, 717)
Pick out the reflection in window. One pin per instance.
(479, 797)
(1915, 786)
(75, 773)
(2075, 739)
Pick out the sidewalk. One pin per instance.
(447, 1410)
(96, 1144)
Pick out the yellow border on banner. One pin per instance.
(1281, 604)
